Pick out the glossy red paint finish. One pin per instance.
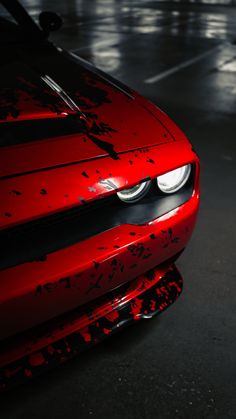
(38, 291)
(79, 147)
(21, 358)
(41, 193)
(121, 140)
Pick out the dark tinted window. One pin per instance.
(15, 24)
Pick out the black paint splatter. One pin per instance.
(104, 145)
(85, 174)
(43, 192)
(96, 264)
(66, 282)
(96, 285)
(150, 161)
(14, 192)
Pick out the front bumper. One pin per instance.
(52, 309)
(38, 350)
(35, 292)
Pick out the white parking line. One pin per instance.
(175, 69)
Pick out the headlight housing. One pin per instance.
(174, 180)
(134, 194)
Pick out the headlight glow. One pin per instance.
(134, 194)
(174, 180)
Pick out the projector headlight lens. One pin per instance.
(134, 194)
(174, 180)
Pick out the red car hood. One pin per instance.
(115, 121)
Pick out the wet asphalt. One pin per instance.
(182, 56)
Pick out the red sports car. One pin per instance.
(99, 196)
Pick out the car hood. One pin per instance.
(59, 86)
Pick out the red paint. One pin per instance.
(136, 306)
(114, 315)
(36, 359)
(28, 373)
(50, 349)
(86, 335)
(107, 331)
(152, 305)
(123, 140)
(69, 180)
(19, 284)
(175, 285)
(77, 322)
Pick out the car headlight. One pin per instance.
(174, 180)
(134, 194)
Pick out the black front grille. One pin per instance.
(34, 240)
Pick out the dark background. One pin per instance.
(183, 363)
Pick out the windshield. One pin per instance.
(16, 24)
(5, 14)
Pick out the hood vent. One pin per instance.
(63, 95)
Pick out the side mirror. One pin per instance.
(49, 22)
